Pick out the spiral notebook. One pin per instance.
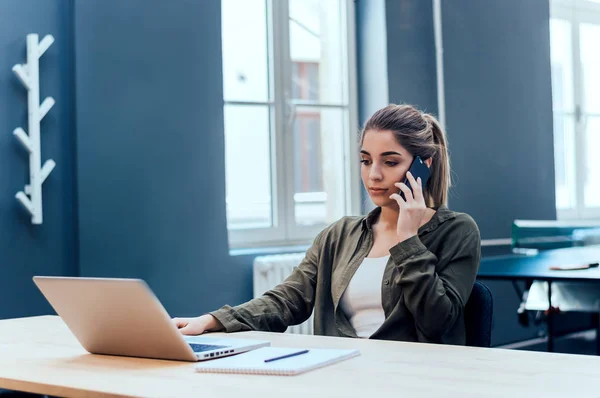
(253, 362)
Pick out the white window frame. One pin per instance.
(285, 231)
(576, 12)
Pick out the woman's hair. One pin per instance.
(421, 135)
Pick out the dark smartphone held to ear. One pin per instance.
(418, 168)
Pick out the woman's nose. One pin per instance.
(375, 173)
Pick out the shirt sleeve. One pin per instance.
(289, 303)
(436, 296)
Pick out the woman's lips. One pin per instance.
(377, 191)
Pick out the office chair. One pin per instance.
(478, 316)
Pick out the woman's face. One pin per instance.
(384, 162)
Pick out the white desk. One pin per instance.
(41, 355)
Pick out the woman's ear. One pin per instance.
(428, 162)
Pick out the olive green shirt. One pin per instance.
(425, 285)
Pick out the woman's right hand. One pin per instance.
(198, 325)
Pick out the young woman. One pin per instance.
(403, 272)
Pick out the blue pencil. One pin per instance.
(286, 356)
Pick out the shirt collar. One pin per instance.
(441, 215)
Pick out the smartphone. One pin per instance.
(418, 168)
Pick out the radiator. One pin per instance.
(269, 271)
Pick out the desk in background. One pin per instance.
(40, 355)
(518, 267)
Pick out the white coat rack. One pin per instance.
(29, 75)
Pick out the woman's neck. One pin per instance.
(388, 218)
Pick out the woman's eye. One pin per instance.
(391, 164)
(365, 161)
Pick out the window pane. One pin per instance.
(245, 50)
(562, 69)
(590, 66)
(319, 165)
(305, 81)
(592, 181)
(318, 50)
(248, 166)
(564, 160)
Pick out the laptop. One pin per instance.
(124, 317)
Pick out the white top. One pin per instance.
(361, 302)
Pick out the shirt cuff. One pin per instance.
(225, 316)
(407, 248)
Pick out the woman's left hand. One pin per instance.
(412, 210)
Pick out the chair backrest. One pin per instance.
(478, 316)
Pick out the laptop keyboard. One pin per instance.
(205, 347)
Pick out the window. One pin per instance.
(290, 118)
(574, 34)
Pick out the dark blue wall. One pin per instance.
(498, 100)
(499, 110)
(151, 169)
(50, 248)
(411, 53)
